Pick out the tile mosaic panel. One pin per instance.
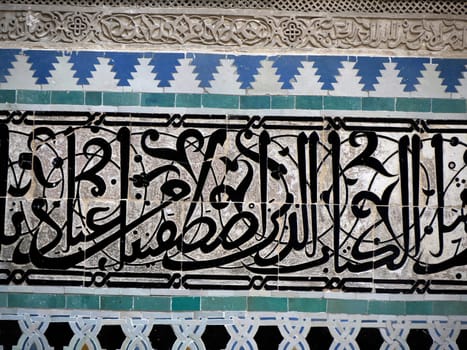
(231, 202)
(41, 330)
(232, 210)
(174, 72)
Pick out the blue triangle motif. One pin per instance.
(327, 68)
(123, 64)
(369, 69)
(7, 57)
(287, 68)
(410, 69)
(83, 63)
(205, 66)
(164, 66)
(247, 68)
(452, 70)
(42, 63)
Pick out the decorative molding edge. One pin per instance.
(419, 7)
(253, 30)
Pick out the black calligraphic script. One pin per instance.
(275, 203)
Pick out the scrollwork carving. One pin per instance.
(301, 32)
(171, 29)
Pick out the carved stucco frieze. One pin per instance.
(234, 31)
(417, 7)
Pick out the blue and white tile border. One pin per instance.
(238, 75)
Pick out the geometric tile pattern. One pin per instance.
(37, 329)
(234, 74)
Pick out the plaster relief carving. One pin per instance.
(234, 31)
(181, 29)
(447, 7)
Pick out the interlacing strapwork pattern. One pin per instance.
(237, 330)
(448, 7)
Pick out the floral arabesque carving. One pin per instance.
(183, 29)
(299, 32)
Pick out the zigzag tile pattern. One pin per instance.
(233, 74)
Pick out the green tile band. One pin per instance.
(309, 102)
(157, 100)
(67, 97)
(378, 104)
(3, 300)
(267, 304)
(116, 302)
(186, 304)
(121, 99)
(93, 98)
(343, 103)
(188, 100)
(91, 302)
(307, 305)
(221, 101)
(340, 306)
(7, 96)
(418, 308)
(283, 102)
(143, 303)
(36, 300)
(231, 303)
(292, 102)
(33, 97)
(448, 106)
(223, 303)
(413, 105)
(449, 308)
(380, 307)
(255, 102)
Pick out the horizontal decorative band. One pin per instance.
(164, 280)
(70, 329)
(205, 29)
(230, 303)
(233, 74)
(231, 102)
(446, 7)
(233, 202)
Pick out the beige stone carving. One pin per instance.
(234, 31)
(445, 7)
